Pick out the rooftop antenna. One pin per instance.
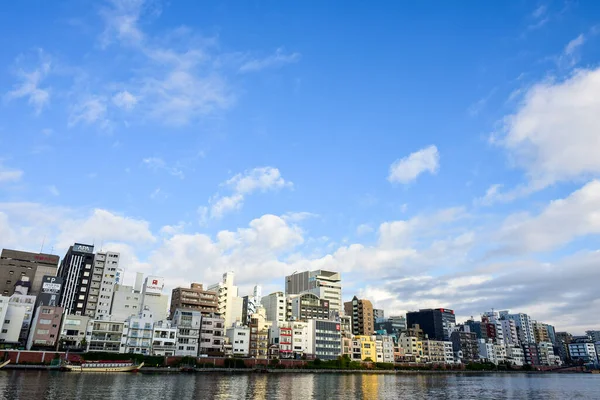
(43, 241)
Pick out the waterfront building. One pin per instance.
(434, 351)
(531, 354)
(510, 332)
(326, 285)
(515, 355)
(188, 323)
(275, 307)
(19, 314)
(281, 339)
(239, 338)
(259, 334)
(392, 326)
(399, 355)
(412, 347)
(385, 348)
(524, 325)
(326, 343)
(540, 332)
(103, 279)
(76, 270)
(164, 338)
(302, 338)
(45, 328)
(15, 264)
(229, 303)
(436, 323)
(486, 351)
(138, 333)
(465, 344)
(212, 335)
(562, 345)
(126, 302)
(361, 312)
(367, 347)
(307, 306)
(3, 309)
(594, 335)
(194, 298)
(250, 303)
(583, 350)
(546, 354)
(153, 300)
(73, 332)
(106, 336)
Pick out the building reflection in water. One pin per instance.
(369, 386)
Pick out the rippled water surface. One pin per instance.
(32, 385)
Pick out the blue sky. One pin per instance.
(437, 154)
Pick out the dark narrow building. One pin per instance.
(436, 323)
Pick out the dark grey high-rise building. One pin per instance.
(436, 323)
(76, 270)
(16, 264)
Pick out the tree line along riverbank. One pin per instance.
(156, 364)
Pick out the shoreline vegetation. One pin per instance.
(160, 364)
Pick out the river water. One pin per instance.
(33, 385)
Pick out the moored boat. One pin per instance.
(4, 364)
(102, 366)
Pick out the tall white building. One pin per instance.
(523, 323)
(239, 339)
(189, 324)
(153, 298)
(164, 338)
(325, 284)
(509, 328)
(230, 304)
(126, 303)
(104, 282)
(275, 306)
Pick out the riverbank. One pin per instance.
(168, 370)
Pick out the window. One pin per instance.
(4, 330)
(46, 311)
(43, 331)
(7, 321)
(45, 322)
(84, 281)
(79, 305)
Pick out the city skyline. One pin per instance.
(415, 157)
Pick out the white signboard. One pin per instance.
(155, 284)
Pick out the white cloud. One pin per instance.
(298, 216)
(553, 134)
(540, 11)
(88, 111)
(157, 163)
(124, 100)
(29, 87)
(363, 229)
(571, 53)
(407, 169)
(9, 174)
(278, 59)
(574, 44)
(30, 224)
(559, 223)
(261, 179)
(54, 190)
(121, 20)
(177, 81)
